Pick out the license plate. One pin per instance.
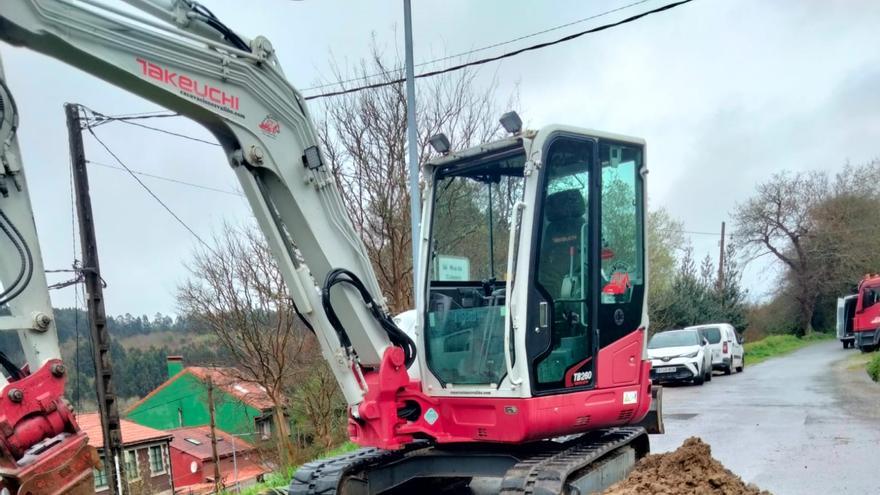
(669, 369)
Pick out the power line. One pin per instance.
(483, 48)
(156, 129)
(146, 188)
(504, 55)
(168, 179)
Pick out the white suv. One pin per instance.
(726, 346)
(679, 355)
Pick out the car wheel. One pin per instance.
(729, 369)
(709, 375)
(699, 380)
(742, 365)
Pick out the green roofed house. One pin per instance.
(241, 408)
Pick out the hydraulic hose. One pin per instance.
(26, 271)
(397, 336)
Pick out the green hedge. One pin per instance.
(874, 368)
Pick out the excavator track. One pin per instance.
(548, 474)
(325, 476)
(543, 469)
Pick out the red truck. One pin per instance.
(866, 323)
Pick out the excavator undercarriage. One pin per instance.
(580, 464)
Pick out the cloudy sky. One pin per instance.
(726, 92)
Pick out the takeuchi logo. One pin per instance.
(270, 126)
(186, 84)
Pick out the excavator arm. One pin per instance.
(185, 59)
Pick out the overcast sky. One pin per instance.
(726, 92)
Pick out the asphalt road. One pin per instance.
(799, 424)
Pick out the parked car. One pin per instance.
(679, 356)
(726, 346)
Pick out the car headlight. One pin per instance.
(691, 355)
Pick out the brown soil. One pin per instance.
(690, 469)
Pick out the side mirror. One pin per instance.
(704, 342)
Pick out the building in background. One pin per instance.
(146, 451)
(193, 461)
(242, 408)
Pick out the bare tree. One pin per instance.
(779, 220)
(364, 137)
(237, 291)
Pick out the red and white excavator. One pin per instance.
(525, 361)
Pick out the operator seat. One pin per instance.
(564, 217)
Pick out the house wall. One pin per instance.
(148, 483)
(186, 399)
(181, 462)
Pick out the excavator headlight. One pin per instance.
(440, 143)
(312, 158)
(511, 122)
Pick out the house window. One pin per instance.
(100, 476)
(157, 460)
(131, 465)
(265, 428)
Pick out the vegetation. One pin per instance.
(682, 294)
(822, 230)
(777, 345)
(873, 368)
(281, 480)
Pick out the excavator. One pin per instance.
(524, 361)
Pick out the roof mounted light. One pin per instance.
(511, 122)
(440, 143)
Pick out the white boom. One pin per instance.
(236, 89)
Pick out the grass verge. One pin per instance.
(281, 479)
(778, 345)
(873, 368)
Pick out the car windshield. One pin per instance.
(712, 334)
(674, 339)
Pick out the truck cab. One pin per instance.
(866, 323)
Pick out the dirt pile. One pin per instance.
(689, 470)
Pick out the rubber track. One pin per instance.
(548, 474)
(323, 477)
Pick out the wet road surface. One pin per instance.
(799, 424)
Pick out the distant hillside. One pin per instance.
(138, 350)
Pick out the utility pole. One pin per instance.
(114, 456)
(412, 139)
(721, 262)
(214, 455)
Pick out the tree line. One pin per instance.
(820, 227)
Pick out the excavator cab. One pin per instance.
(534, 269)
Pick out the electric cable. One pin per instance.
(481, 49)
(146, 188)
(168, 179)
(503, 55)
(164, 131)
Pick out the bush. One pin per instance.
(874, 368)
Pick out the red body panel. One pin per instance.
(620, 369)
(867, 319)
